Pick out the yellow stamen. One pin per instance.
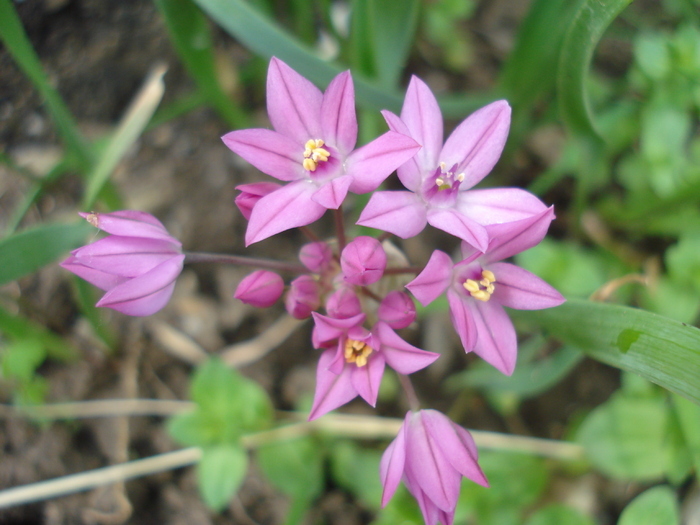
(357, 352)
(483, 289)
(314, 153)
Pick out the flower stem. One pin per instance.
(340, 228)
(410, 392)
(407, 269)
(239, 260)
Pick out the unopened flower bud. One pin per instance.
(261, 289)
(397, 310)
(304, 297)
(316, 256)
(363, 261)
(343, 303)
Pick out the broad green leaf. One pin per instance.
(656, 506)
(355, 469)
(191, 36)
(220, 473)
(626, 437)
(664, 351)
(586, 29)
(21, 358)
(196, 429)
(688, 414)
(129, 129)
(16, 42)
(28, 251)
(296, 468)
(558, 514)
(393, 27)
(528, 73)
(20, 328)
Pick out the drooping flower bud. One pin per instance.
(261, 289)
(397, 310)
(304, 297)
(251, 194)
(363, 261)
(316, 256)
(136, 265)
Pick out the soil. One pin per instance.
(97, 54)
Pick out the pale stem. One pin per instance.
(339, 228)
(410, 392)
(240, 260)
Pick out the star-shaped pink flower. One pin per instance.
(440, 177)
(312, 149)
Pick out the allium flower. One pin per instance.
(251, 194)
(430, 454)
(261, 289)
(303, 297)
(312, 148)
(440, 177)
(479, 287)
(354, 363)
(137, 264)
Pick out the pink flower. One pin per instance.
(251, 194)
(430, 454)
(440, 177)
(312, 149)
(261, 289)
(303, 297)
(354, 363)
(478, 287)
(136, 265)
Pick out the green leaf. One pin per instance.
(16, 42)
(296, 468)
(20, 328)
(21, 359)
(220, 474)
(129, 129)
(586, 29)
(190, 34)
(626, 437)
(355, 469)
(688, 414)
(196, 429)
(27, 251)
(664, 351)
(656, 506)
(558, 514)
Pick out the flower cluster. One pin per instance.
(353, 290)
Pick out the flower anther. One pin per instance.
(447, 179)
(482, 289)
(357, 352)
(314, 153)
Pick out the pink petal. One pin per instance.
(476, 144)
(261, 289)
(400, 355)
(498, 205)
(397, 310)
(293, 103)
(126, 256)
(272, 153)
(374, 162)
(510, 238)
(433, 280)
(453, 222)
(146, 294)
(103, 280)
(423, 118)
(399, 212)
(392, 465)
(409, 172)
(289, 207)
(332, 194)
(462, 319)
(251, 194)
(330, 328)
(366, 379)
(338, 118)
(519, 289)
(332, 390)
(363, 261)
(455, 443)
(130, 223)
(433, 472)
(496, 342)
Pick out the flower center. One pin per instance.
(447, 178)
(357, 352)
(482, 289)
(314, 153)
